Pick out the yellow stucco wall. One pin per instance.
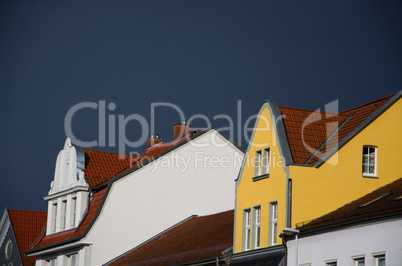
(262, 192)
(317, 191)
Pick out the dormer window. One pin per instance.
(369, 161)
(54, 217)
(73, 211)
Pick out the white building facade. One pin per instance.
(195, 177)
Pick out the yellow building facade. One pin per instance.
(302, 164)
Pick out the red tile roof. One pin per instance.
(27, 226)
(196, 239)
(100, 167)
(386, 200)
(72, 234)
(316, 129)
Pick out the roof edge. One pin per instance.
(280, 133)
(379, 111)
(151, 239)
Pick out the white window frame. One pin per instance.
(331, 263)
(69, 259)
(51, 261)
(265, 161)
(54, 217)
(378, 257)
(274, 222)
(258, 157)
(63, 215)
(73, 211)
(356, 261)
(366, 172)
(247, 229)
(257, 227)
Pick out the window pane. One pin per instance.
(258, 237)
(365, 150)
(274, 234)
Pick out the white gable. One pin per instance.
(69, 171)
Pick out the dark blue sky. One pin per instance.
(203, 56)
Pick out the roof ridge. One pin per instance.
(109, 152)
(212, 214)
(369, 103)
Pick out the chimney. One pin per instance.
(180, 130)
(153, 140)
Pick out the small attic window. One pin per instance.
(374, 200)
(369, 163)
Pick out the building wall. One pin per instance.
(8, 240)
(317, 191)
(344, 245)
(262, 192)
(163, 193)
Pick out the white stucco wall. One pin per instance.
(358, 241)
(163, 193)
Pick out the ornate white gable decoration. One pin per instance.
(70, 167)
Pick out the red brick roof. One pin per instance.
(72, 234)
(196, 239)
(27, 226)
(315, 128)
(386, 200)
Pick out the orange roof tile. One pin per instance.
(195, 239)
(72, 234)
(101, 166)
(311, 135)
(27, 226)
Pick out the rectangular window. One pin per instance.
(247, 229)
(332, 263)
(265, 161)
(52, 262)
(369, 161)
(359, 262)
(63, 215)
(73, 212)
(274, 223)
(257, 163)
(54, 217)
(72, 259)
(257, 226)
(380, 260)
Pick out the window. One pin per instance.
(54, 216)
(332, 263)
(51, 262)
(63, 215)
(73, 211)
(247, 229)
(274, 222)
(369, 161)
(359, 262)
(257, 163)
(265, 161)
(257, 226)
(380, 260)
(72, 259)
